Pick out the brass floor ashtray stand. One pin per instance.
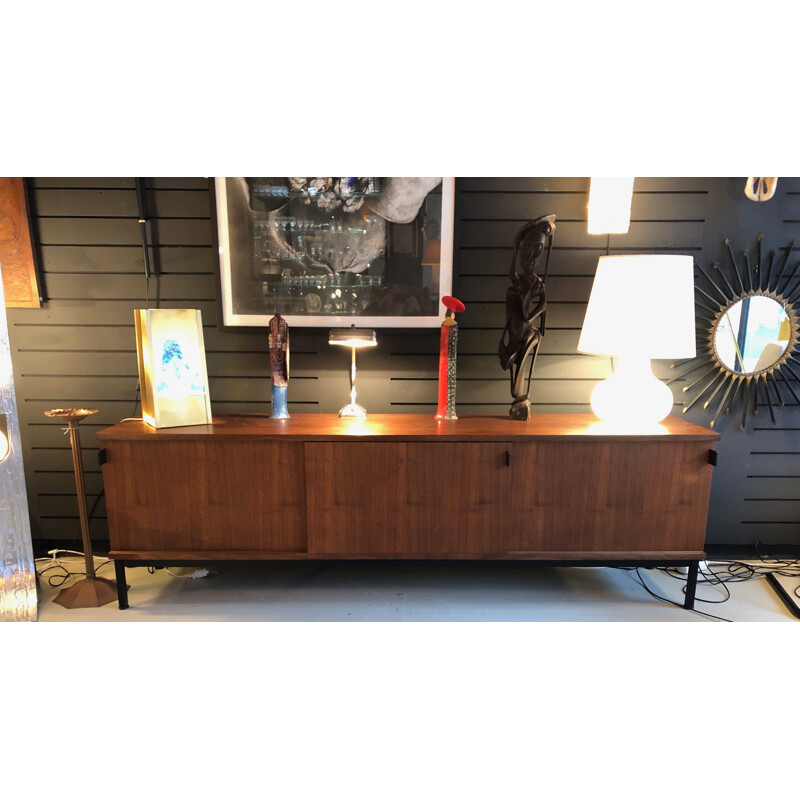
(91, 591)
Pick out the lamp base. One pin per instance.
(88, 593)
(632, 396)
(353, 411)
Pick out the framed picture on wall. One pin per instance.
(374, 252)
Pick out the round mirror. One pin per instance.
(752, 334)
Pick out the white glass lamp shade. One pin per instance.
(641, 307)
(610, 205)
(353, 337)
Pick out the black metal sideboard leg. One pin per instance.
(122, 586)
(691, 584)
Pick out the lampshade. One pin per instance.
(352, 337)
(641, 305)
(610, 205)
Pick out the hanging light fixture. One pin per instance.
(610, 205)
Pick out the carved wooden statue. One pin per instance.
(279, 362)
(526, 305)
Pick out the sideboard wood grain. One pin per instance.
(406, 486)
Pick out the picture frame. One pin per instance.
(18, 256)
(171, 357)
(328, 252)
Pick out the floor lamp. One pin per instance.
(91, 591)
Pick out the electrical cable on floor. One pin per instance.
(200, 572)
(55, 563)
(673, 603)
(724, 572)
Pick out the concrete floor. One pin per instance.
(335, 591)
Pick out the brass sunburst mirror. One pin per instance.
(747, 334)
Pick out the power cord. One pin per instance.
(201, 572)
(725, 572)
(641, 581)
(55, 563)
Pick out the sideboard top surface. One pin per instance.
(406, 427)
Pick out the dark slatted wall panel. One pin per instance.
(756, 490)
(79, 348)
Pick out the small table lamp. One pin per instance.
(353, 338)
(641, 307)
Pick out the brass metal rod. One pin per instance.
(706, 294)
(746, 402)
(700, 394)
(748, 269)
(790, 278)
(716, 391)
(704, 375)
(712, 282)
(768, 283)
(786, 256)
(722, 402)
(769, 400)
(727, 282)
(789, 387)
(735, 266)
(77, 463)
(775, 387)
(734, 396)
(758, 259)
(353, 376)
(700, 365)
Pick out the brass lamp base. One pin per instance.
(88, 593)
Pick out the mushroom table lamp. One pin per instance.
(91, 591)
(354, 338)
(641, 307)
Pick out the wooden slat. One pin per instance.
(676, 185)
(524, 207)
(493, 315)
(130, 258)
(111, 312)
(115, 287)
(63, 483)
(492, 391)
(497, 261)
(570, 289)
(572, 366)
(684, 235)
(80, 231)
(91, 183)
(784, 510)
(555, 185)
(121, 203)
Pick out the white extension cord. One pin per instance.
(702, 567)
(202, 572)
(54, 561)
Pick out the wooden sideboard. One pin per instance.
(558, 487)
